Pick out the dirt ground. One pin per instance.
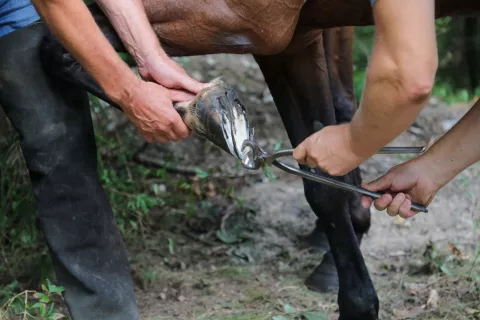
(226, 243)
(240, 256)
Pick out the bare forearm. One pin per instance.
(71, 22)
(457, 149)
(384, 114)
(129, 19)
(401, 72)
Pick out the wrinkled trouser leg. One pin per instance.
(57, 139)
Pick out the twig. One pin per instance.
(121, 192)
(25, 304)
(7, 304)
(230, 211)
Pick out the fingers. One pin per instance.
(190, 84)
(382, 183)
(180, 95)
(394, 208)
(383, 202)
(366, 202)
(300, 153)
(180, 130)
(380, 204)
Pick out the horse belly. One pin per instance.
(192, 27)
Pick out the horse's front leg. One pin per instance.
(300, 86)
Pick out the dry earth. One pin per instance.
(422, 268)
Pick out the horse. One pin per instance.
(304, 50)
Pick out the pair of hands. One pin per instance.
(331, 150)
(150, 104)
(151, 110)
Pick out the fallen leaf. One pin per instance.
(473, 312)
(433, 297)
(455, 250)
(211, 190)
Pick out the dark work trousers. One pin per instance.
(57, 140)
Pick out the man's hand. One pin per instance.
(410, 181)
(330, 149)
(150, 109)
(160, 68)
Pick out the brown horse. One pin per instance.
(309, 72)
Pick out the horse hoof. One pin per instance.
(324, 279)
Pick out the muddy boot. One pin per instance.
(57, 139)
(324, 278)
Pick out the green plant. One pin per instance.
(17, 206)
(30, 304)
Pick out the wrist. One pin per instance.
(436, 169)
(121, 92)
(361, 147)
(146, 58)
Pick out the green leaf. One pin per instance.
(225, 237)
(37, 305)
(278, 145)
(133, 224)
(464, 95)
(43, 310)
(56, 289)
(289, 308)
(314, 315)
(202, 174)
(50, 310)
(280, 318)
(43, 297)
(49, 285)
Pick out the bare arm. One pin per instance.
(400, 75)
(72, 23)
(131, 23)
(421, 178)
(147, 105)
(129, 19)
(399, 81)
(457, 149)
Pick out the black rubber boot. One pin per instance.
(53, 120)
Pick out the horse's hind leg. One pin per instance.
(300, 86)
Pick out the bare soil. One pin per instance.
(241, 257)
(226, 244)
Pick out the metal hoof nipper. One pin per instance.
(218, 115)
(254, 157)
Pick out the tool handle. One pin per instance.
(336, 184)
(386, 150)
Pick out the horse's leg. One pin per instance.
(301, 90)
(338, 45)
